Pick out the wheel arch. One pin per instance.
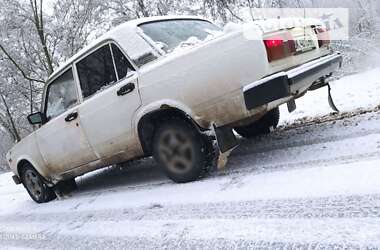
(22, 164)
(149, 120)
(25, 161)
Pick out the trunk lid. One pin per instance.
(293, 41)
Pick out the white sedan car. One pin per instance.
(167, 87)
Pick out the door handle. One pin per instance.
(71, 117)
(126, 89)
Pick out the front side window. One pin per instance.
(61, 95)
(96, 71)
(171, 35)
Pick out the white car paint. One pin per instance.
(204, 81)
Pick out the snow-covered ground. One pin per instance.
(349, 93)
(305, 186)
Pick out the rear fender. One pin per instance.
(167, 103)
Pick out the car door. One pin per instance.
(61, 140)
(109, 88)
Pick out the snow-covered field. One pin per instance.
(313, 186)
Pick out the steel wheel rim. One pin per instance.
(176, 151)
(33, 183)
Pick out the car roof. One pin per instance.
(130, 25)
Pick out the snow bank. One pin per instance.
(349, 93)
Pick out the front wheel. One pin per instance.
(36, 186)
(183, 153)
(262, 126)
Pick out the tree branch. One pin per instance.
(19, 67)
(14, 130)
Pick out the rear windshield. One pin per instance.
(172, 34)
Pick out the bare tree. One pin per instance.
(10, 126)
(39, 23)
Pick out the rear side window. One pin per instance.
(61, 95)
(96, 71)
(138, 49)
(122, 64)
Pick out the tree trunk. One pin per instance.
(39, 23)
(142, 8)
(14, 131)
(31, 96)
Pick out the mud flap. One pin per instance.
(330, 99)
(226, 142)
(292, 106)
(225, 138)
(16, 180)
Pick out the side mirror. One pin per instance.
(36, 118)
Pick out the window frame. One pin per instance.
(108, 42)
(160, 52)
(73, 68)
(134, 67)
(89, 53)
(47, 89)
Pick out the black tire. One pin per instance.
(36, 186)
(184, 154)
(262, 126)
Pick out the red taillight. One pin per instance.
(279, 46)
(274, 42)
(323, 36)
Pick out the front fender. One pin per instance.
(28, 150)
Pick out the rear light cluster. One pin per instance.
(280, 46)
(323, 36)
(283, 44)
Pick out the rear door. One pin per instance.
(109, 88)
(61, 140)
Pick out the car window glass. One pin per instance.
(172, 35)
(123, 66)
(137, 48)
(96, 71)
(61, 95)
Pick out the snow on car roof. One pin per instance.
(115, 33)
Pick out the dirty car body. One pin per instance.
(93, 116)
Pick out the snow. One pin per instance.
(349, 93)
(354, 179)
(312, 185)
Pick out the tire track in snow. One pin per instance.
(366, 206)
(103, 243)
(233, 170)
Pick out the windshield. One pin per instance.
(171, 35)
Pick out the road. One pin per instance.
(309, 185)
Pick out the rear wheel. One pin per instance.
(263, 126)
(36, 185)
(183, 153)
